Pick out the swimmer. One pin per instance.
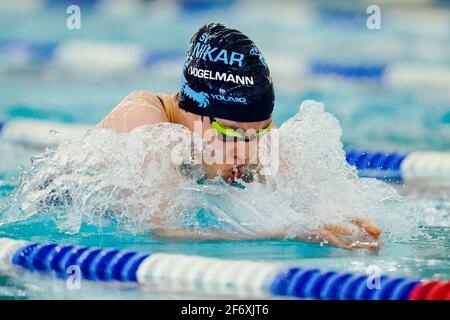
(226, 87)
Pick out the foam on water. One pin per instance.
(130, 179)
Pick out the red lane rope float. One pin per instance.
(431, 290)
(441, 291)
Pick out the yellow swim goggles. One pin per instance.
(229, 134)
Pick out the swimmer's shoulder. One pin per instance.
(147, 99)
(170, 103)
(137, 109)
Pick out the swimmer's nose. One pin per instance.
(242, 152)
(240, 160)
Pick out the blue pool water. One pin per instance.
(373, 114)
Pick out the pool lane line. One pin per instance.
(82, 56)
(41, 132)
(211, 275)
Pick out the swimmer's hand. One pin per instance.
(367, 236)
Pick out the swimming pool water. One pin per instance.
(372, 115)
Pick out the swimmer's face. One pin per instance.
(230, 156)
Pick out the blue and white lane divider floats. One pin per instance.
(84, 57)
(40, 132)
(116, 6)
(424, 167)
(418, 166)
(202, 274)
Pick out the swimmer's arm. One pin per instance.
(332, 235)
(137, 109)
(328, 235)
(162, 231)
(213, 235)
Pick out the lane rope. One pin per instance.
(211, 275)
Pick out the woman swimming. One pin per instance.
(227, 98)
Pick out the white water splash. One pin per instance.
(130, 178)
(316, 186)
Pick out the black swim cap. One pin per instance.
(225, 76)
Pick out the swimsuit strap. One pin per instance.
(170, 106)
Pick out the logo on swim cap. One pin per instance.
(201, 98)
(215, 54)
(225, 76)
(255, 51)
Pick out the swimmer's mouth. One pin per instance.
(234, 174)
